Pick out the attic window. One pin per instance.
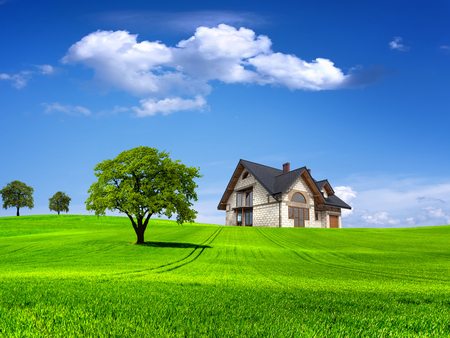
(298, 197)
(246, 174)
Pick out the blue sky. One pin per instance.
(356, 91)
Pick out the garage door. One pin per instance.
(334, 222)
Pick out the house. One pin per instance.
(258, 195)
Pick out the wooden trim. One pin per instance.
(237, 194)
(318, 198)
(237, 173)
(328, 189)
(303, 210)
(246, 213)
(250, 192)
(327, 208)
(237, 213)
(298, 192)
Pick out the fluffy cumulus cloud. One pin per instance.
(169, 105)
(397, 44)
(399, 203)
(20, 80)
(168, 79)
(347, 194)
(380, 218)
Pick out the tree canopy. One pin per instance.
(17, 195)
(142, 182)
(59, 202)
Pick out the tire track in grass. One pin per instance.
(206, 243)
(304, 257)
(309, 258)
(172, 265)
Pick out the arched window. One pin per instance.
(298, 197)
(246, 174)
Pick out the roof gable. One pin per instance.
(263, 174)
(325, 184)
(276, 183)
(284, 181)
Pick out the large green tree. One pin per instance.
(17, 195)
(142, 182)
(59, 202)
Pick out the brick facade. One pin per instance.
(270, 212)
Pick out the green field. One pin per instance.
(72, 276)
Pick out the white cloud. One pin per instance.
(397, 44)
(380, 218)
(165, 78)
(46, 69)
(294, 73)
(20, 80)
(67, 109)
(347, 194)
(169, 105)
(385, 202)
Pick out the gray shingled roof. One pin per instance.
(276, 182)
(263, 174)
(321, 184)
(284, 181)
(334, 201)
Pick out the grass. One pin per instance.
(71, 276)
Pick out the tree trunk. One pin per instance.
(140, 237)
(58, 212)
(18, 212)
(140, 229)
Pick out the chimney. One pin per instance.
(286, 167)
(309, 170)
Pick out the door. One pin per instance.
(249, 218)
(334, 222)
(239, 218)
(298, 218)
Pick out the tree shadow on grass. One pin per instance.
(175, 245)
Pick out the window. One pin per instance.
(249, 218)
(246, 174)
(239, 218)
(249, 198)
(298, 197)
(239, 200)
(303, 212)
(317, 216)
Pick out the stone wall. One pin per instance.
(302, 187)
(266, 209)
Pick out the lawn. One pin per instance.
(71, 276)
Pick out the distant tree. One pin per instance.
(17, 195)
(59, 202)
(142, 182)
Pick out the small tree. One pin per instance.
(59, 202)
(142, 182)
(17, 195)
